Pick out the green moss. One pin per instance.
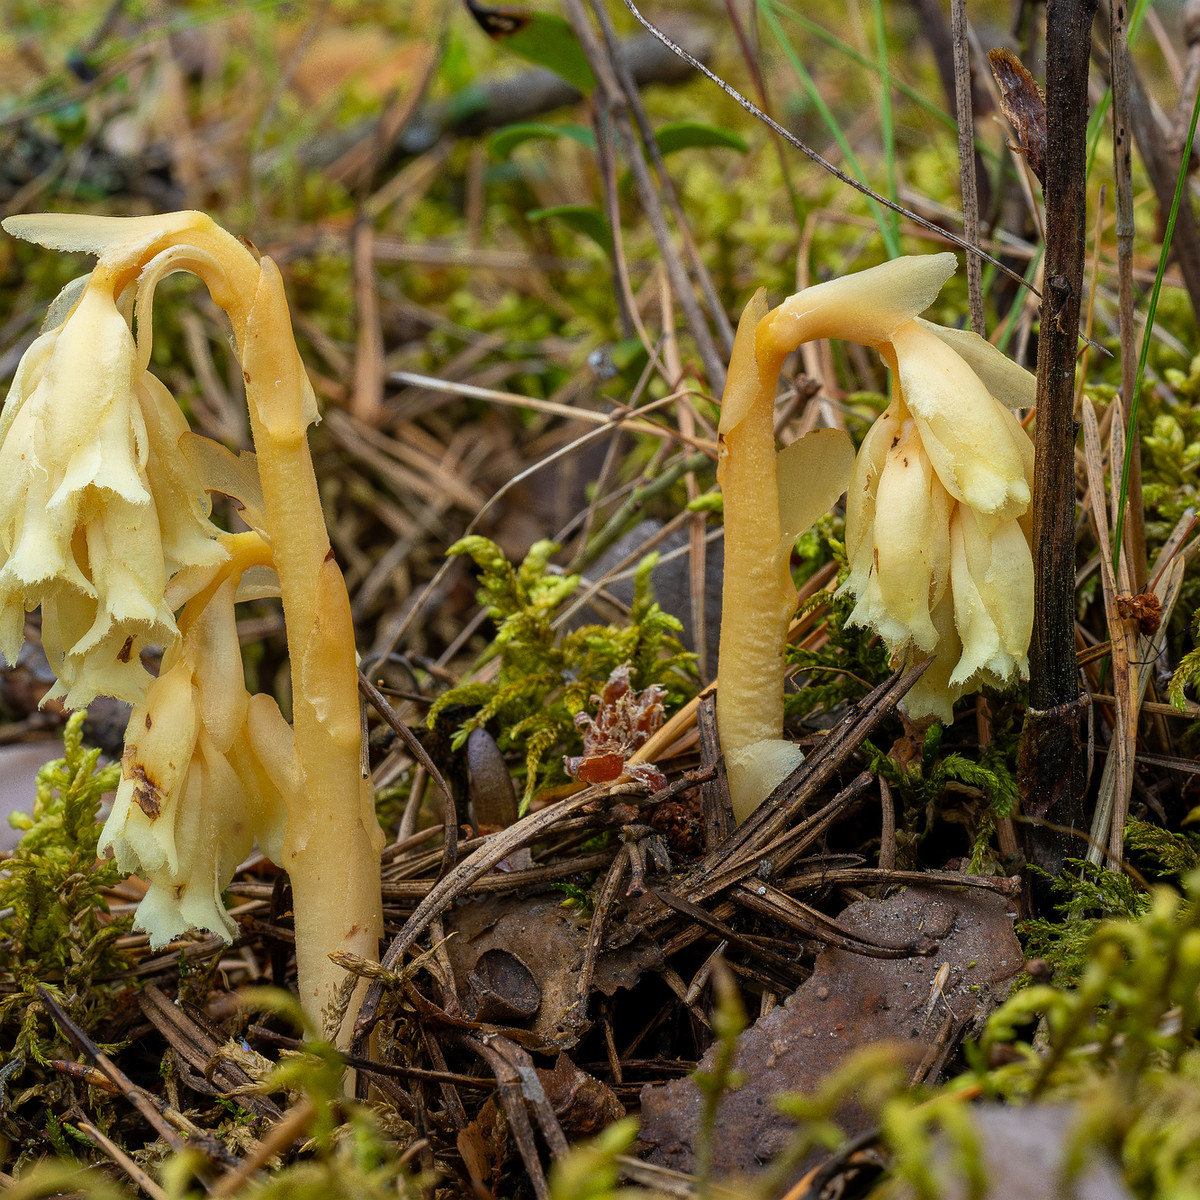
(545, 677)
(57, 932)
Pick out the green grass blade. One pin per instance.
(1097, 120)
(886, 119)
(1131, 417)
(767, 8)
(936, 111)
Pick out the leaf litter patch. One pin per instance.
(925, 1004)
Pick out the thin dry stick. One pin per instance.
(1119, 632)
(1104, 827)
(631, 319)
(508, 1084)
(820, 160)
(1097, 239)
(369, 365)
(887, 836)
(430, 590)
(1167, 582)
(134, 1094)
(697, 541)
(500, 845)
(1191, 78)
(119, 1156)
(1134, 541)
(966, 160)
(618, 107)
(1162, 166)
(1049, 769)
(279, 1137)
(666, 181)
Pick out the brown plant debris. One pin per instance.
(623, 723)
(924, 1003)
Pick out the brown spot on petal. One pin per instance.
(126, 650)
(246, 376)
(149, 720)
(147, 795)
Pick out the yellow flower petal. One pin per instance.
(1012, 385)
(963, 429)
(992, 578)
(912, 546)
(866, 307)
(127, 236)
(811, 475)
(933, 695)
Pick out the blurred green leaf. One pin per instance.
(542, 38)
(504, 141)
(688, 135)
(580, 217)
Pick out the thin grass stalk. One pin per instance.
(751, 61)
(887, 231)
(1122, 639)
(887, 124)
(821, 34)
(941, 234)
(1096, 121)
(615, 99)
(1093, 277)
(1151, 312)
(666, 181)
(966, 160)
(1122, 133)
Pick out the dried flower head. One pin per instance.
(623, 723)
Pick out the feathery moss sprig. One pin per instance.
(546, 676)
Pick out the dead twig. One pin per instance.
(495, 848)
(966, 160)
(140, 1099)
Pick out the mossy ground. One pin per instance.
(440, 260)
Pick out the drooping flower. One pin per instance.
(104, 523)
(939, 562)
(204, 770)
(99, 507)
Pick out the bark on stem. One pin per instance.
(1050, 762)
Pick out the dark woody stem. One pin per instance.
(1050, 767)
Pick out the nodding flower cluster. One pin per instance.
(936, 510)
(100, 506)
(105, 524)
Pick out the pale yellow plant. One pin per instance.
(99, 507)
(206, 766)
(770, 499)
(939, 558)
(108, 530)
